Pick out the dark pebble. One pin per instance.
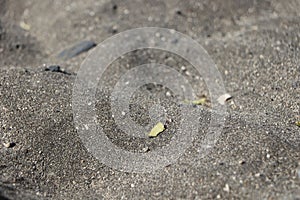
(178, 12)
(242, 162)
(56, 68)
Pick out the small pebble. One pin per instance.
(223, 98)
(9, 144)
(226, 188)
(114, 29)
(242, 162)
(172, 31)
(115, 7)
(170, 120)
(145, 149)
(168, 94)
(178, 12)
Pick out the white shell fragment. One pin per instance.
(223, 98)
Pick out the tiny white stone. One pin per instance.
(145, 149)
(126, 12)
(123, 113)
(92, 13)
(241, 162)
(226, 188)
(115, 27)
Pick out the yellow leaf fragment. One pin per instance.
(201, 101)
(298, 123)
(186, 102)
(156, 130)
